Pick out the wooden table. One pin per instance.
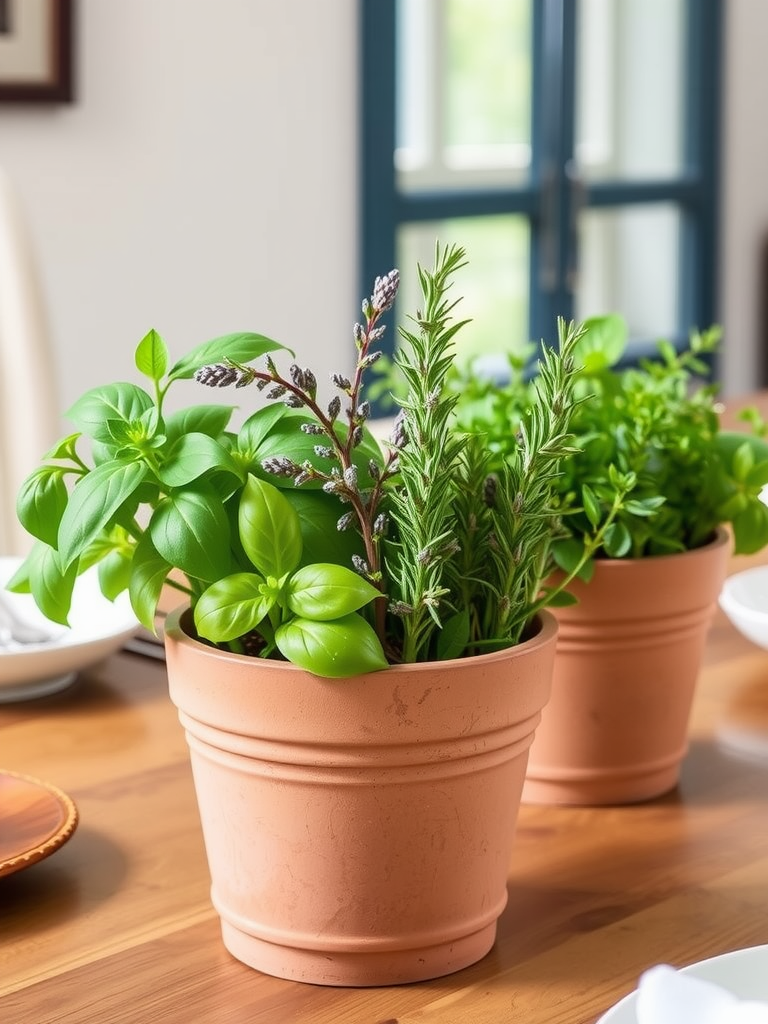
(116, 926)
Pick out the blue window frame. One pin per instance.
(553, 200)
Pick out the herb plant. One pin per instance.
(654, 473)
(297, 536)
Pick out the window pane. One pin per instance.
(463, 92)
(629, 89)
(493, 286)
(630, 260)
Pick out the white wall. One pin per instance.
(205, 181)
(744, 222)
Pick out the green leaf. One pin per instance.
(269, 529)
(743, 461)
(41, 502)
(602, 344)
(64, 448)
(94, 501)
(453, 638)
(114, 573)
(561, 599)
(750, 528)
(192, 456)
(591, 505)
(190, 530)
(618, 540)
(232, 607)
(336, 649)
(92, 412)
(149, 571)
(319, 514)
(645, 507)
(42, 575)
(326, 591)
(152, 356)
(239, 348)
(567, 553)
(199, 419)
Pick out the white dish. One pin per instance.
(743, 972)
(744, 599)
(97, 628)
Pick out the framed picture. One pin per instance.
(36, 51)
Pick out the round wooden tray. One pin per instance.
(35, 820)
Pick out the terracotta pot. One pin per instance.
(359, 831)
(628, 657)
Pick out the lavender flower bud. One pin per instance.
(333, 486)
(371, 358)
(280, 465)
(341, 382)
(358, 332)
(425, 556)
(364, 410)
(334, 407)
(373, 470)
(360, 565)
(312, 428)
(345, 521)
(400, 608)
(297, 376)
(380, 524)
(398, 438)
(385, 291)
(276, 392)
(324, 452)
(357, 437)
(294, 402)
(218, 375)
(350, 477)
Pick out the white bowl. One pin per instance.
(744, 599)
(98, 627)
(744, 972)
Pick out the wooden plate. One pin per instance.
(35, 820)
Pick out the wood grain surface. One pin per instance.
(116, 927)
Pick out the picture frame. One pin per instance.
(36, 51)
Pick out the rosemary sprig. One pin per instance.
(422, 507)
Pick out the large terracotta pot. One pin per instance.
(628, 657)
(359, 831)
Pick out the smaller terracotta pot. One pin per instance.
(359, 831)
(628, 658)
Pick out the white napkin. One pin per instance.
(667, 996)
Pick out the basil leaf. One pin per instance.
(269, 529)
(149, 571)
(326, 591)
(151, 356)
(336, 649)
(232, 607)
(199, 419)
(94, 501)
(240, 348)
(193, 455)
(41, 502)
(190, 530)
(92, 412)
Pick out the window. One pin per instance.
(570, 146)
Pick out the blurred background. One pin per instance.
(247, 165)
